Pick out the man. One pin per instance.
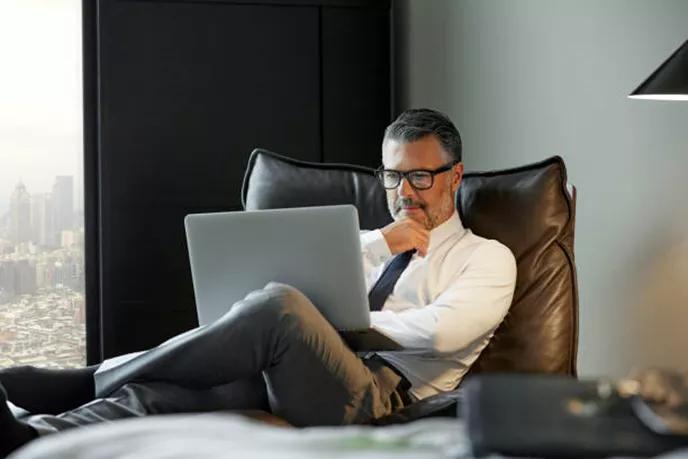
(435, 287)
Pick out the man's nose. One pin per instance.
(405, 188)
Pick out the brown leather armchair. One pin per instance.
(531, 209)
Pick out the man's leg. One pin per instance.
(42, 390)
(312, 377)
(153, 398)
(13, 433)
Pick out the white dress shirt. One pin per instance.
(445, 306)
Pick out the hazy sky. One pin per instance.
(40, 95)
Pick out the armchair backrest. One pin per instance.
(530, 209)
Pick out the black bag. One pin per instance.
(562, 417)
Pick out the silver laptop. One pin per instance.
(314, 249)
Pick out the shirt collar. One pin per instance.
(452, 227)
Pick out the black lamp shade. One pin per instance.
(669, 81)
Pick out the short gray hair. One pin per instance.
(418, 123)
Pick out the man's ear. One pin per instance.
(457, 176)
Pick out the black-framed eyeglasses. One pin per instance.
(420, 179)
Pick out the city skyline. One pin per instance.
(42, 279)
(41, 217)
(6, 198)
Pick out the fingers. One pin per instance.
(421, 239)
(422, 251)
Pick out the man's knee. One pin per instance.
(276, 301)
(287, 300)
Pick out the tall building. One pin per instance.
(17, 277)
(20, 215)
(4, 223)
(44, 275)
(25, 277)
(7, 277)
(62, 273)
(63, 206)
(42, 219)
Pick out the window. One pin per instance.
(42, 304)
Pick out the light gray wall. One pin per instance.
(527, 79)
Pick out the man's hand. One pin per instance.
(406, 234)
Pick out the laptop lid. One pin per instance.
(314, 249)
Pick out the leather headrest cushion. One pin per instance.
(530, 210)
(273, 181)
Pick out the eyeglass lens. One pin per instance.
(420, 180)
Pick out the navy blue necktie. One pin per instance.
(385, 284)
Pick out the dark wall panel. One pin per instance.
(188, 87)
(187, 91)
(356, 84)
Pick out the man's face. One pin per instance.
(430, 207)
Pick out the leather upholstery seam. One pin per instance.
(574, 311)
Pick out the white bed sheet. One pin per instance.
(222, 436)
(215, 436)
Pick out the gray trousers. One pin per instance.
(273, 350)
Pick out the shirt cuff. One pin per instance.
(374, 244)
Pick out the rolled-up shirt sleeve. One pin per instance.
(473, 306)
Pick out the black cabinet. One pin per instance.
(177, 94)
